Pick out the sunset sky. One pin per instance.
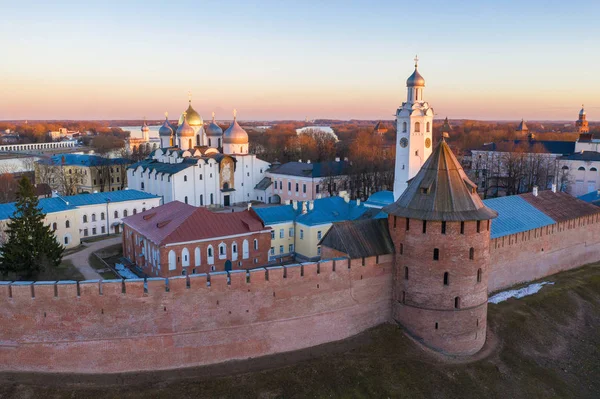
(287, 60)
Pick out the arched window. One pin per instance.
(67, 239)
(592, 169)
(457, 302)
(471, 253)
(142, 185)
(201, 200)
(54, 226)
(479, 275)
(67, 224)
(185, 257)
(245, 250)
(406, 273)
(234, 251)
(581, 168)
(186, 200)
(134, 211)
(222, 250)
(565, 168)
(446, 278)
(172, 260)
(143, 209)
(404, 127)
(436, 254)
(417, 127)
(210, 256)
(255, 244)
(190, 143)
(428, 127)
(102, 217)
(184, 177)
(116, 214)
(93, 217)
(403, 296)
(197, 256)
(84, 218)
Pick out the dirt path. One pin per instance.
(80, 258)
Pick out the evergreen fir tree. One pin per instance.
(30, 246)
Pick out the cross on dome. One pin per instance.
(416, 60)
(190, 96)
(213, 116)
(166, 114)
(234, 113)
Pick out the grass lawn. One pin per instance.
(65, 271)
(97, 264)
(546, 346)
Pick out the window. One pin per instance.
(234, 248)
(272, 251)
(210, 256)
(471, 253)
(301, 234)
(84, 218)
(395, 221)
(281, 249)
(291, 248)
(94, 231)
(319, 251)
(291, 232)
(319, 235)
(417, 127)
(317, 189)
(446, 276)
(184, 177)
(272, 234)
(142, 185)
(93, 217)
(456, 302)
(134, 211)
(462, 227)
(185, 257)
(172, 260)
(222, 251)
(401, 248)
(479, 275)
(197, 258)
(424, 226)
(436, 254)
(297, 186)
(125, 213)
(245, 250)
(116, 214)
(200, 176)
(406, 273)
(85, 232)
(67, 224)
(255, 244)
(103, 229)
(443, 227)
(186, 199)
(436, 325)
(581, 168)
(281, 233)
(478, 226)
(592, 169)
(54, 226)
(304, 188)
(289, 186)
(102, 216)
(404, 127)
(428, 127)
(211, 199)
(67, 240)
(407, 224)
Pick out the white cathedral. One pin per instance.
(200, 165)
(414, 127)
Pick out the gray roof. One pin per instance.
(441, 191)
(360, 238)
(263, 184)
(318, 169)
(588, 156)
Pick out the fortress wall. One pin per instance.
(117, 326)
(538, 253)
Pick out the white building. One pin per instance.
(201, 167)
(414, 126)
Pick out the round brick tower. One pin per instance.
(441, 233)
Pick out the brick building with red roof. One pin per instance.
(178, 239)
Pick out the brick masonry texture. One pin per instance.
(110, 326)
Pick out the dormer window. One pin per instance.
(424, 190)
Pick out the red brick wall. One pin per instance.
(115, 327)
(261, 255)
(538, 253)
(423, 300)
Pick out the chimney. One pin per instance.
(535, 191)
(319, 196)
(299, 160)
(304, 210)
(554, 188)
(249, 205)
(308, 161)
(346, 159)
(358, 202)
(337, 159)
(295, 205)
(311, 205)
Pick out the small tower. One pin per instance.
(522, 129)
(145, 131)
(235, 139)
(582, 123)
(165, 133)
(446, 128)
(441, 233)
(414, 126)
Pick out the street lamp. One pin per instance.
(107, 217)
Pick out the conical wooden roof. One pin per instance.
(441, 191)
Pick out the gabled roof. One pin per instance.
(177, 222)
(318, 169)
(560, 206)
(110, 196)
(360, 238)
(441, 191)
(47, 205)
(263, 184)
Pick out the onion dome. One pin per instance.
(193, 117)
(234, 133)
(145, 127)
(185, 130)
(213, 129)
(415, 79)
(166, 129)
(441, 191)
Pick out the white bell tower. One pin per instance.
(414, 127)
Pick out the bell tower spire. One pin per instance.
(414, 127)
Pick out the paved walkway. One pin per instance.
(80, 258)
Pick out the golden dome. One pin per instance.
(193, 117)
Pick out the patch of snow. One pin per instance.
(520, 293)
(124, 272)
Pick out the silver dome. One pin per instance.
(213, 129)
(415, 79)
(165, 129)
(235, 134)
(185, 130)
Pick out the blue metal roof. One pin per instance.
(61, 204)
(380, 199)
(47, 205)
(277, 214)
(515, 215)
(82, 159)
(592, 197)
